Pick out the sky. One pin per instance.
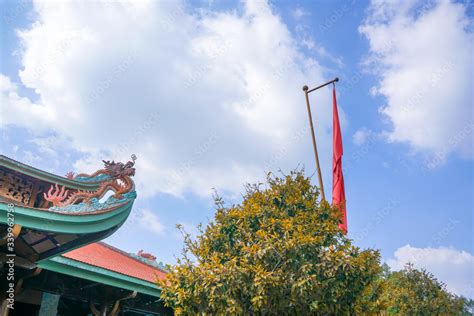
(208, 95)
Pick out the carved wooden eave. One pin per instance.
(54, 214)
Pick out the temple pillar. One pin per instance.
(4, 308)
(49, 304)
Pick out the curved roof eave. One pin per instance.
(80, 223)
(46, 176)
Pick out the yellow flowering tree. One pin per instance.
(278, 252)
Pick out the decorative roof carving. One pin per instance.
(115, 176)
(146, 255)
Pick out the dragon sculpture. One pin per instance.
(146, 255)
(118, 180)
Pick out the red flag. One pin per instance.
(338, 192)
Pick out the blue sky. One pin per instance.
(208, 95)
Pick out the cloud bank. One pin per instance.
(204, 99)
(422, 53)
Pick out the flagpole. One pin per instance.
(318, 168)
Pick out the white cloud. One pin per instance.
(298, 13)
(141, 230)
(361, 136)
(161, 81)
(324, 54)
(422, 53)
(310, 44)
(142, 219)
(150, 221)
(451, 266)
(20, 111)
(30, 158)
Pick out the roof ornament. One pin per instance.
(57, 196)
(118, 168)
(115, 176)
(146, 255)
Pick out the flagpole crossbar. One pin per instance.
(305, 88)
(313, 138)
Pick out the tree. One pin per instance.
(418, 292)
(280, 251)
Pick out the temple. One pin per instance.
(52, 259)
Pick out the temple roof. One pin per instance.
(105, 256)
(102, 263)
(56, 223)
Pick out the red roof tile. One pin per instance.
(107, 257)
